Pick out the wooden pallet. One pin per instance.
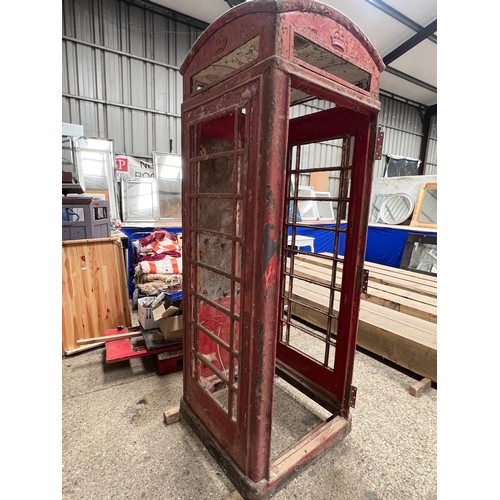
(397, 315)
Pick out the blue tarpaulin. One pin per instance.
(385, 245)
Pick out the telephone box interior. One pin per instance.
(265, 86)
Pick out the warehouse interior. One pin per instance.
(127, 416)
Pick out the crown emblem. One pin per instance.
(220, 43)
(338, 40)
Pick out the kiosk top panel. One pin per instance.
(307, 33)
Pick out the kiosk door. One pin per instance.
(323, 289)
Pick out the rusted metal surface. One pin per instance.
(241, 167)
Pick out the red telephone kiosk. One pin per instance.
(264, 85)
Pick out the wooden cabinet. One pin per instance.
(94, 289)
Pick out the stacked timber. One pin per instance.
(398, 313)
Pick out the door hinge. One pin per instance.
(364, 281)
(352, 396)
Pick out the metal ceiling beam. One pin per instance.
(426, 126)
(165, 11)
(234, 3)
(411, 79)
(410, 43)
(387, 9)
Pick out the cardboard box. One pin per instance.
(149, 318)
(171, 327)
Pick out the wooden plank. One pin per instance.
(418, 388)
(404, 283)
(385, 296)
(234, 495)
(413, 296)
(324, 271)
(415, 328)
(84, 348)
(398, 303)
(411, 283)
(412, 275)
(108, 338)
(407, 351)
(94, 289)
(405, 340)
(316, 439)
(325, 267)
(408, 280)
(426, 278)
(378, 269)
(172, 415)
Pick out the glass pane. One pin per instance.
(169, 168)
(334, 184)
(100, 213)
(96, 162)
(169, 195)
(70, 165)
(420, 253)
(321, 58)
(400, 166)
(212, 285)
(73, 214)
(423, 257)
(94, 169)
(308, 209)
(140, 200)
(216, 175)
(215, 252)
(428, 209)
(215, 215)
(326, 210)
(227, 65)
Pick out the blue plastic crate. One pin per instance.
(175, 296)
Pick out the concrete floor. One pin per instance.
(117, 446)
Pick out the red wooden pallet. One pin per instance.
(169, 358)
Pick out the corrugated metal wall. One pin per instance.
(431, 161)
(120, 64)
(402, 126)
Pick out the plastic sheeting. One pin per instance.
(384, 245)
